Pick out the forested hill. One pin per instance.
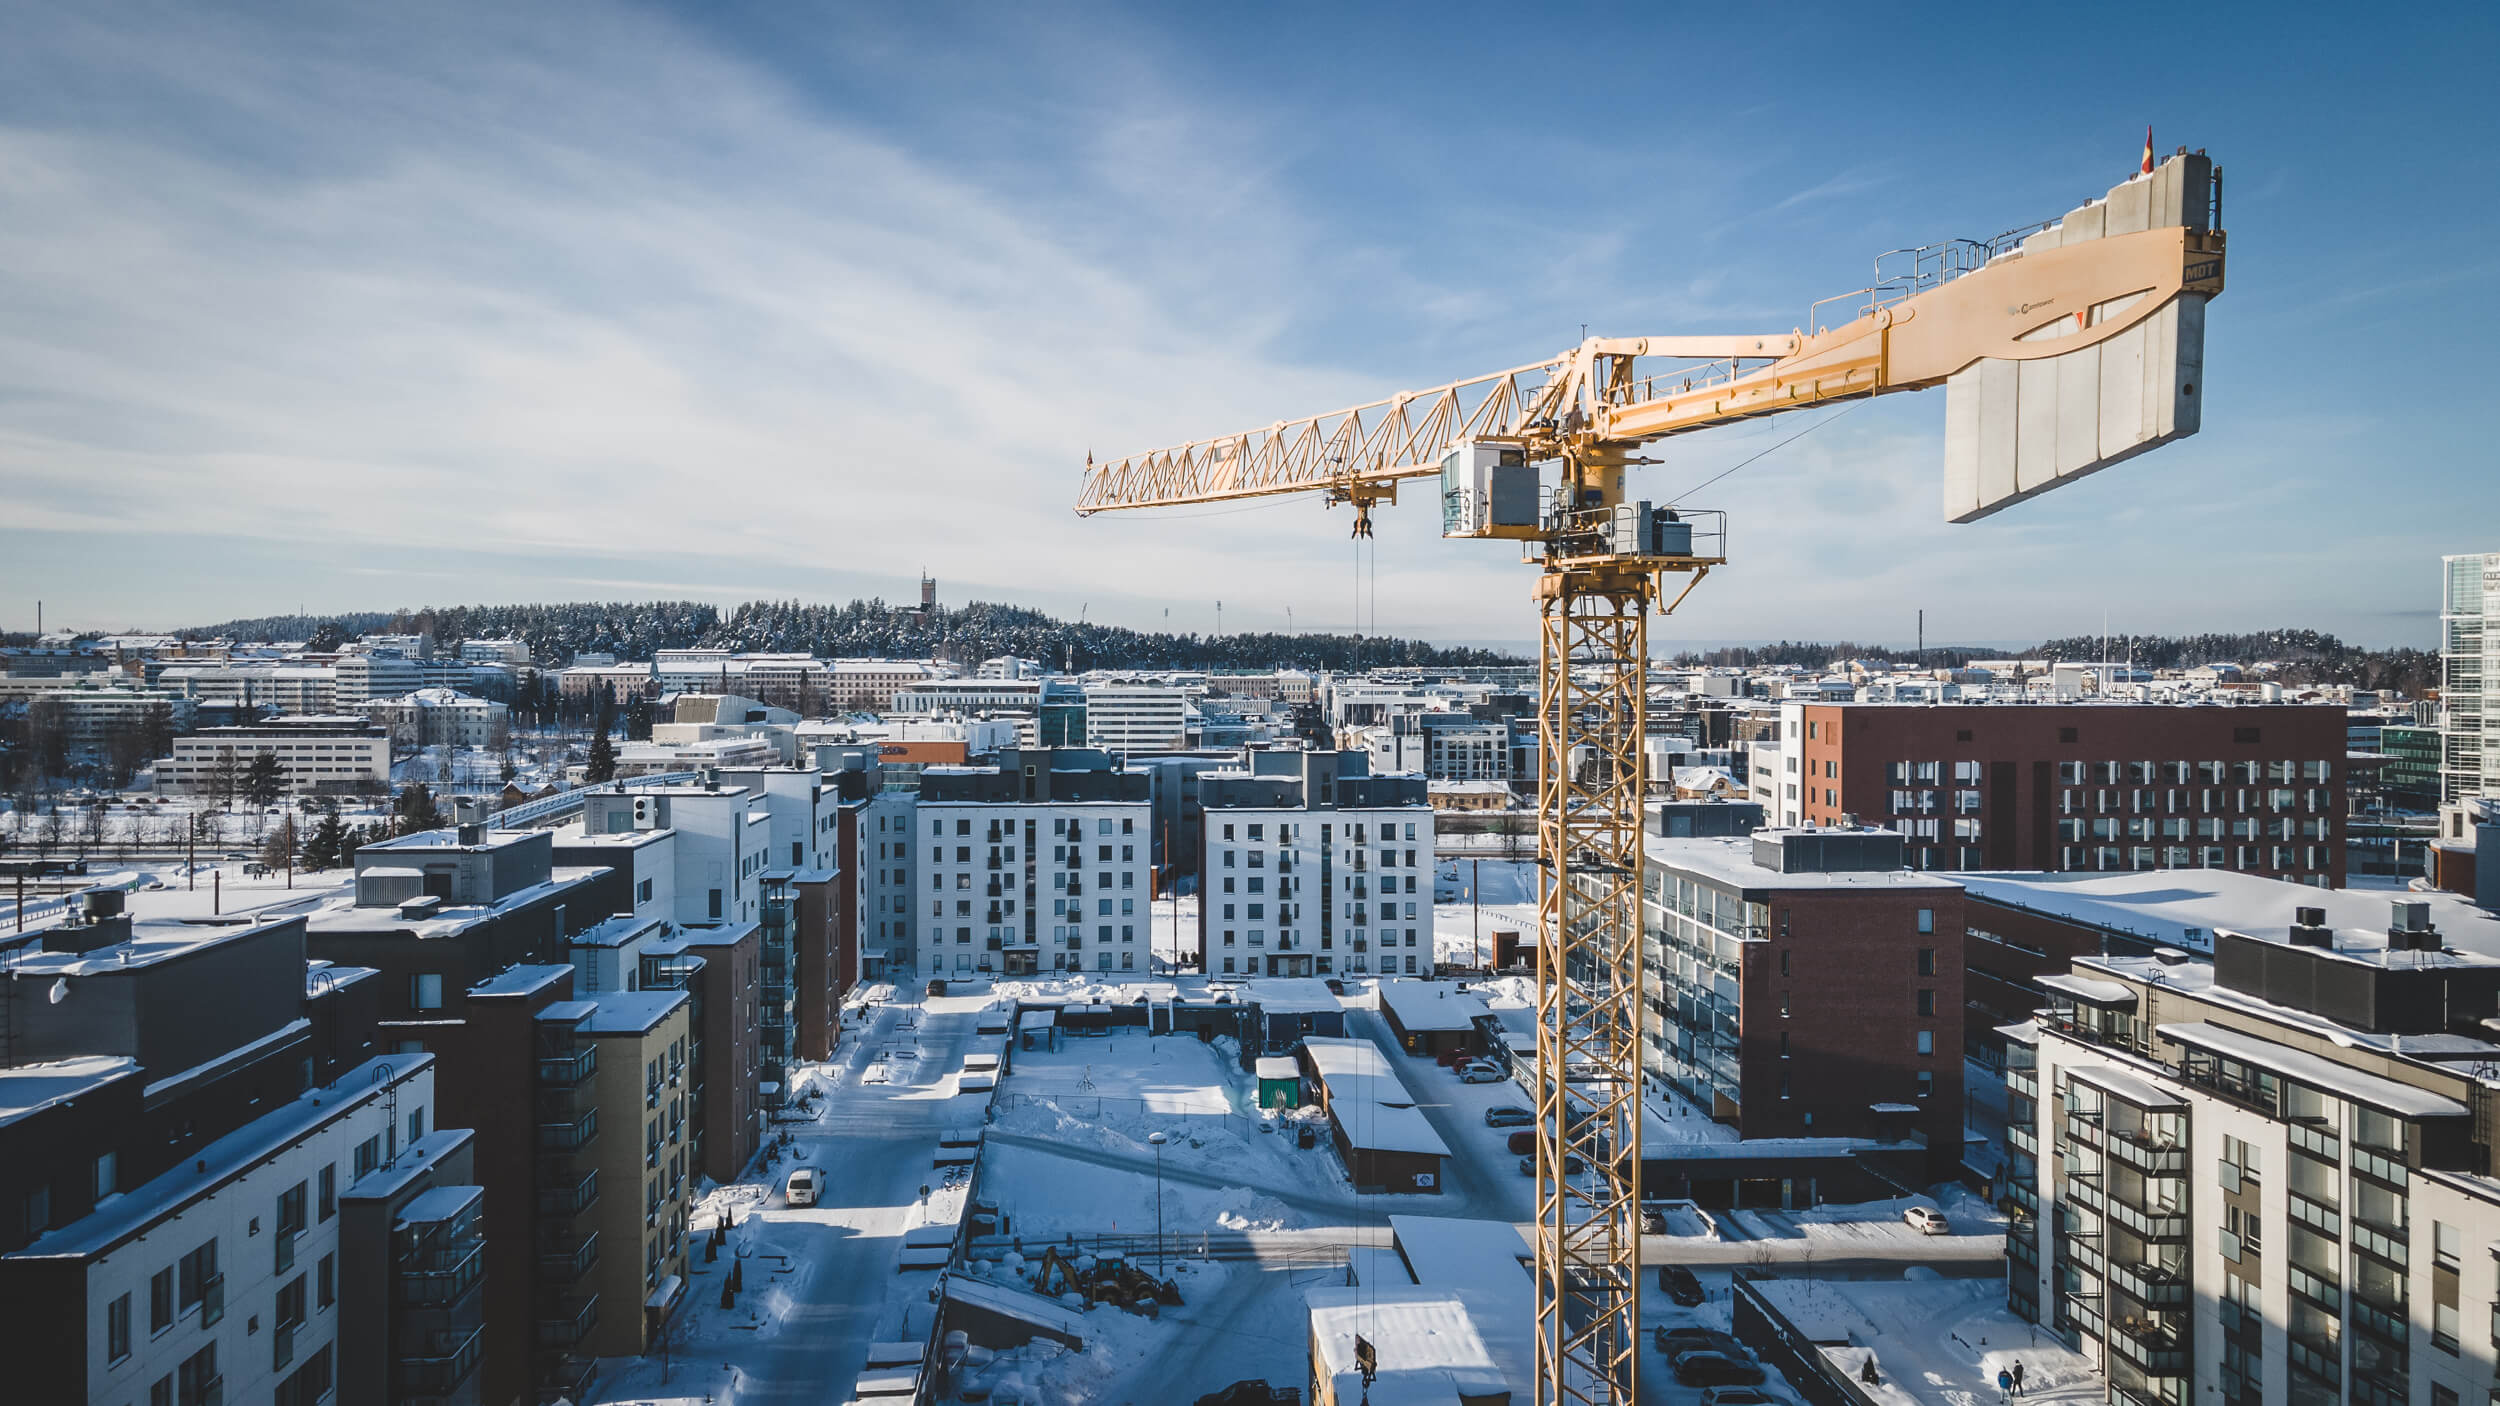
(2302, 656)
(980, 630)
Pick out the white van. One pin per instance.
(804, 1184)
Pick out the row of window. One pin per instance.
(1355, 833)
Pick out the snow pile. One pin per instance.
(1117, 1345)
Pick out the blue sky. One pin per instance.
(359, 307)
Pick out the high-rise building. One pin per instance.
(2469, 674)
(2265, 1177)
(1313, 866)
(2069, 787)
(988, 834)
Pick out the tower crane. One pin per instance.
(2063, 347)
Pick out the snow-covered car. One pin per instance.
(1927, 1220)
(1480, 1074)
(1737, 1396)
(1680, 1285)
(1509, 1116)
(803, 1186)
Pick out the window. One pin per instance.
(197, 1268)
(38, 1211)
(1926, 1084)
(642, 892)
(1926, 921)
(329, 1184)
(117, 1329)
(326, 1281)
(107, 1174)
(716, 909)
(1926, 1002)
(1927, 961)
(196, 1381)
(160, 1301)
(310, 1382)
(290, 1309)
(368, 1154)
(1926, 1041)
(425, 991)
(161, 1392)
(1783, 961)
(291, 1210)
(2067, 734)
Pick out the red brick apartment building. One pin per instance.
(2257, 788)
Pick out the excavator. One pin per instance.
(2063, 347)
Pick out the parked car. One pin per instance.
(1653, 1221)
(1509, 1116)
(1524, 1142)
(1737, 1396)
(1674, 1342)
(1335, 987)
(805, 1183)
(1680, 1285)
(1480, 1074)
(1927, 1220)
(1572, 1165)
(1707, 1368)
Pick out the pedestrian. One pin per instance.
(2018, 1378)
(2005, 1383)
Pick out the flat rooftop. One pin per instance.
(1728, 860)
(631, 1012)
(2182, 907)
(31, 1088)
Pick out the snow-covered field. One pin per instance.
(1101, 1098)
(1941, 1342)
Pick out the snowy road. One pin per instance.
(1473, 1183)
(1335, 1208)
(874, 1141)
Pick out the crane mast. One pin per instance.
(2063, 347)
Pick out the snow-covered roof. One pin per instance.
(2315, 1071)
(32, 1088)
(2126, 1086)
(2182, 907)
(2091, 990)
(1728, 860)
(632, 1012)
(1278, 1067)
(1451, 1251)
(1428, 1350)
(1432, 1005)
(1387, 1127)
(1293, 995)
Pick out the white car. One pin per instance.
(805, 1183)
(1481, 1074)
(1927, 1220)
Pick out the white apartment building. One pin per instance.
(219, 1280)
(285, 688)
(88, 715)
(2469, 675)
(1127, 718)
(1023, 868)
(886, 887)
(869, 685)
(495, 651)
(1315, 867)
(2261, 1178)
(724, 842)
(967, 696)
(315, 754)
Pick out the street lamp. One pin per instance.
(1157, 1140)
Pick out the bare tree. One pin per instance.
(225, 776)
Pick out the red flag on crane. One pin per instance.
(2148, 150)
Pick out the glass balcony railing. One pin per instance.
(431, 1278)
(566, 1322)
(570, 1198)
(563, 1259)
(2156, 1352)
(2158, 1223)
(2154, 1159)
(2155, 1288)
(440, 1368)
(2023, 1140)
(571, 1135)
(568, 1070)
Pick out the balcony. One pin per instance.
(2156, 1223)
(2084, 1254)
(2314, 1138)
(2085, 1191)
(776, 909)
(441, 1369)
(563, 1259)
(2024, 1082)
(2155, 1288)
(2156, 1351)
(2083, 1129)
(565, 1071)
(431, 1278)
(2025, 1196)
(570, 1136)
(566, 1323)
(571, 1199)
(2023, 1140)
(2154, 1159)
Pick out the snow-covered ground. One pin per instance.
(1095, 1103)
